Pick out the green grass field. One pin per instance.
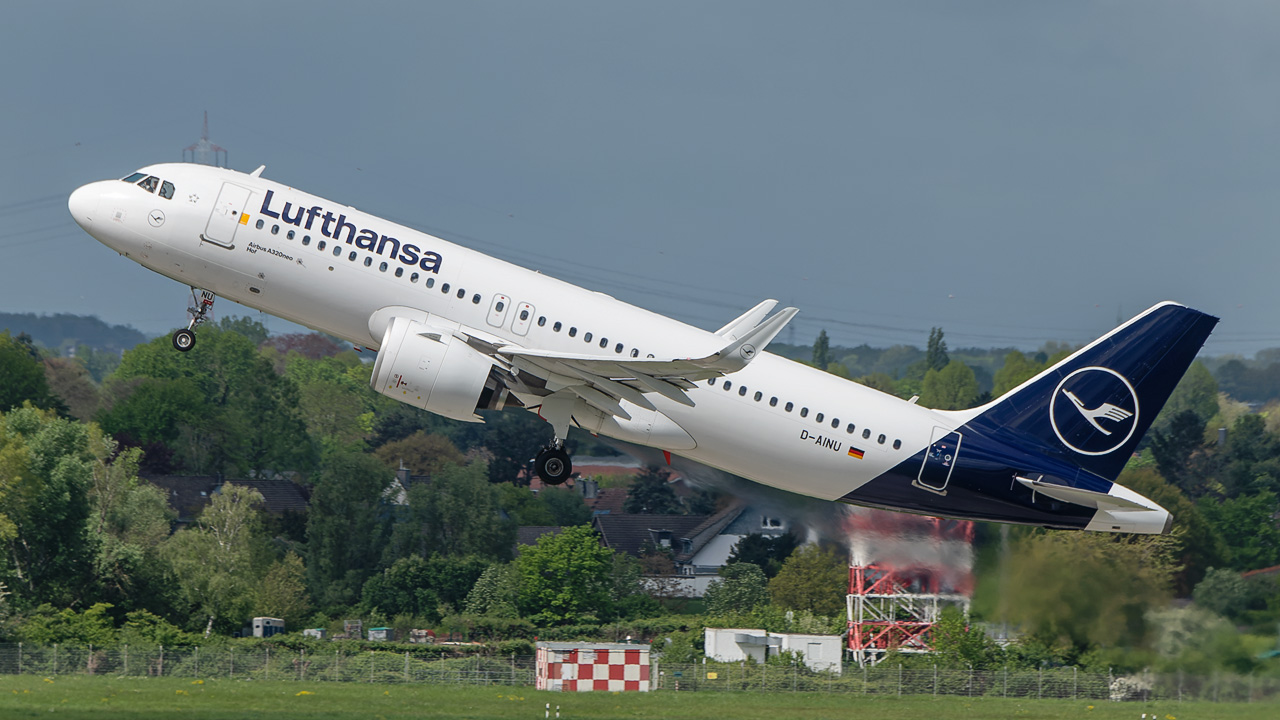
(106, 697)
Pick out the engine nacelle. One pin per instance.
(430, 368)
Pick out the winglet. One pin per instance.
(746, 321)
(737, 354)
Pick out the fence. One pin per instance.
(389, 666)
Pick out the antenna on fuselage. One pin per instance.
(203, 151)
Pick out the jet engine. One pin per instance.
(429, 368)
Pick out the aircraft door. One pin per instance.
(228, 214)
(524, 316)
(498, 310)
(939, 461)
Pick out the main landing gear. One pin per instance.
(552, 463)
(185, 339)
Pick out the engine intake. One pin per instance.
(430, 368)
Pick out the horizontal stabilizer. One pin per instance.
(1086, 498)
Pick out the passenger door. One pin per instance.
(228, 214)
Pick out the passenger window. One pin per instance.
(835, 423)
(351, 256)
(897, 444)
(150, 183)
(166, 190)
(635, 352)
(850, 429)
(289, 234)
(604, 342)
(367, 261)
(866, 433)
(819, 418)
(586, 338)
(618, 348)
(542, 320)
(320, 245)
(461, 293)
(573, 332)
(742, 390)
(557, 326)
(413, 278)
(500, 306)
(475, 299)
(789, 406)
(431, 282)
(773, 401)
(759, 395)
(382, 267)
(306, 240)
(524, 314)
(399, 272)
(880, 439)
(337, 251)
(712, 382)
(275, 229)
(134, 178)
(727, 385)
(445, 288)
(804, 412)
(259, 224)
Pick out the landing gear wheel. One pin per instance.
(553, 465)
(184, 340)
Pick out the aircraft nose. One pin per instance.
(83, 205)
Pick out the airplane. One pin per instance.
(457, 331)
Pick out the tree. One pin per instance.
(283, 592)
(219, 562)
(70, 382)
(512, 439)
(1175, 449)
(253, 330)
(1016, 370)
(347, 527)
(878, 381)
(1247, 526)
(821, 351)
(650, 494)
(954, 387)
(23, 374)
(1087, 589)
(958, 644)
(423, 454)
(1222, 592)
(1196, 392)
(741, 588)
(764, 551)
(565, 506)
(566, 578)
(456, 512)
(935, 357)
(812, 578)
(45, 476)
(496, 592)
(47, 626)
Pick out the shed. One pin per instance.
(382, 634)
(582, 667)
(265, 627)
(820, 652)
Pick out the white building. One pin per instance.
(820, 652)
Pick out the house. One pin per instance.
(189, 494)
(693, 543)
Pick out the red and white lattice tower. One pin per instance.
(903, 570)
(582, 667)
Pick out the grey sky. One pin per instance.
(1013, 172)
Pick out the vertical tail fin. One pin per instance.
(1092, 408)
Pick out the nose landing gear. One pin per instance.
(185, 339)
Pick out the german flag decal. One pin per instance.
(855, 452)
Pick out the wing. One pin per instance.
(603, 382)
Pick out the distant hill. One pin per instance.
(63, 330)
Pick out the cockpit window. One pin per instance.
(134, 178)
(166, 190)
(150, 183)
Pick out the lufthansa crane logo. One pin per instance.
(1094, 411)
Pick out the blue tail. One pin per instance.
(1092, 409)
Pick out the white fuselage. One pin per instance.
(802, 443)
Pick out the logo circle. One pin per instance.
(1090, 408)
(156, 218)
